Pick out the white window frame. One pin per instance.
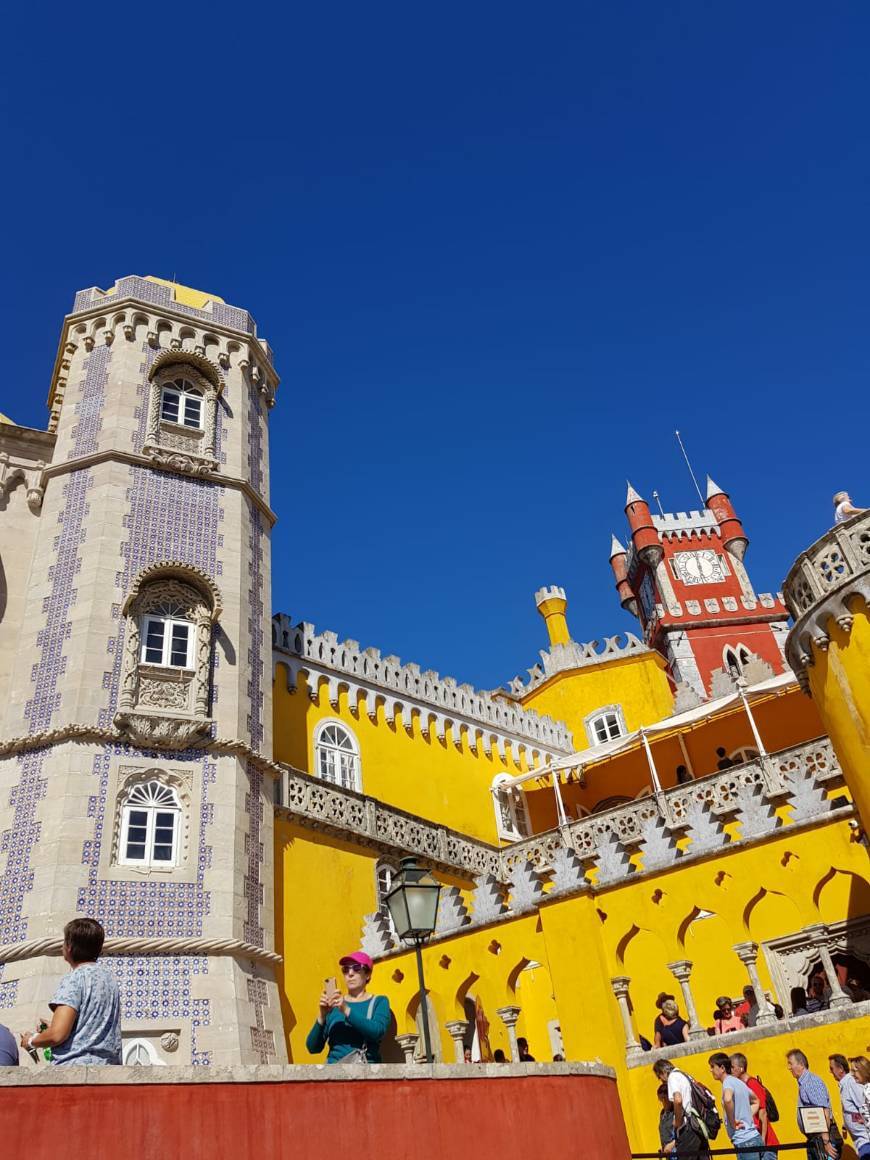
(600, 715)
(511, 810)
(151, 810)
(185, 392)
(388, 871)
(338, 752)
(131, 1045)
(168, 623)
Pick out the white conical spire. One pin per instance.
(616, 549)
(713, 488)
(632, 495)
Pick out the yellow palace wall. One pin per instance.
(840, 684)
(637, 683)
(761, 891)
(418, 773)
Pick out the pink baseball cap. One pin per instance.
(359, 957)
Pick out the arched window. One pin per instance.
(140, 1053)
(734, 658)
(150, 826)
(166, 670)
(385, 874)
(511, 810)
(167, 635)
(336, 755)
(181, 403)
(605, 724)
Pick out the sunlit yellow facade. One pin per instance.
(751, 892)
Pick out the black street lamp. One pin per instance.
(413, 905)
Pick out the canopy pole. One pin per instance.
(657, 785)
(741, 687)
(562, 817)
(685, 753)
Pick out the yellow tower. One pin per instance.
(827, 592)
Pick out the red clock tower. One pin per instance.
(683, 577)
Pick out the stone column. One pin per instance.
(458, 1029)
(818, 936)
(620, 983)
(509, 1016)
(681, 970)
(747, 952)
(408, 1044)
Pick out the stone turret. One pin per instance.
(619, 564)
(551, 603)
(644, 535)
(734, 538)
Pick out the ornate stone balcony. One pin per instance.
(763, 796)
(820, 586)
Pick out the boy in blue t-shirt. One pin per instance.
(739, 1107)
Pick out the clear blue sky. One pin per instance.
(501, 252)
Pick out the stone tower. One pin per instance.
(684, 578)
(135, 762)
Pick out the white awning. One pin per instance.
(577, 762)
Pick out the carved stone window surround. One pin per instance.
(162, 705)
(164, 435)
(122, 779)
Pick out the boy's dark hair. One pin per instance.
(662, 1091)
(720, 1059)
(84, 937)
(839, 1061)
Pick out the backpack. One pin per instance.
(704, 1107)
(770, 1103)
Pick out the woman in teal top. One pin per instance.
(352, 1022)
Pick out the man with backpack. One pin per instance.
(739, 1106)
(767, 1109)
(692, 1103)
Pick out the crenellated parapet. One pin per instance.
(822, 588)
(422, 696)
(561, 658)
(215, 334)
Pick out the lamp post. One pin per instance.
(413, 905)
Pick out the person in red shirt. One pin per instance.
(738, 1068)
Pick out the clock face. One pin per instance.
(704, 567)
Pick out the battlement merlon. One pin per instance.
(365, 672)
(566, 657)
(161, 314)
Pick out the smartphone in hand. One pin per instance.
(330, 986)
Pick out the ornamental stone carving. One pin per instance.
(172, 446)
(169, 1041)
(163, 705)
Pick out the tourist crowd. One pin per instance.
(691, 1117)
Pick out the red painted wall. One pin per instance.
(513, 1118)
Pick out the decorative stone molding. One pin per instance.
(167, 707)
(156, 731)
(824, 585)
(179, 778)
(377, 934)
(169, 1041)
(790, 958)
(572, 655)
(430, 699)
(34, 948)
(13, 472)
(171, 445)
(819, 938)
